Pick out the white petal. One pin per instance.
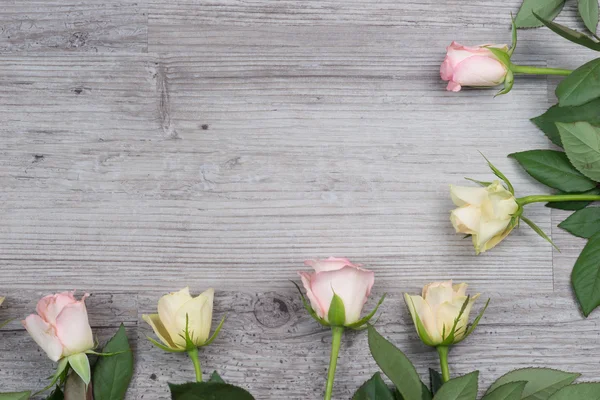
(464, 195)
(466, 219)
(199, 311)
(168, 305)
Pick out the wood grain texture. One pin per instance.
(149, 145)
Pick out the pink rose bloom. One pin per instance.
(472, 66)
(61, 326)
(351, 283)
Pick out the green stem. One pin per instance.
(525, 69)
(336, 341)
(443, 353)
(196, 361)
(557, 197)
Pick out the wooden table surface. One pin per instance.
(148, 145)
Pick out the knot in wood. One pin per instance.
(271, 310)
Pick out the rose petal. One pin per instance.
(168, 305)
(44, 336)
(159, 329)
(199, 311)
(73, 329)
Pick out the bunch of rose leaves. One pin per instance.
(526, 383)
(574, 126)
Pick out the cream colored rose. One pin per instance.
(485, 213)
(177, 308)
(436, 311)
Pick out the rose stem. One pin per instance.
(525, 69)
(336, 341)
(193, 353)
(443, 353)
(557, 197)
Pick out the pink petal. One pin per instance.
(353, 285)
(314, 302)
(73, 329)
(453, 87)
(329, 264)
(44, 335)
(479, 71)
(50, 306)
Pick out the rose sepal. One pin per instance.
(337, 312)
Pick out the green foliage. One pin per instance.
(583, 223)
(396, 366)
(208, 391)
(215, 377)
(56, 394)
(461, 388)
(589, 112)
(435, 380)
(585, 277)
(570, 34)
(374, 389)
(541, 382)
(588, 10)
(581, 143)
(539, 231)
(581, 86)
(583, 391)
(508, 391)
(15, 396)
(112, 374)
(552, 168)
(547, 9)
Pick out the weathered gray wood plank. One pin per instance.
(255, 135)
(73, 26)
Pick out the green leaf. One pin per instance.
(208, 391)
(583, 223)
(588, 10)
(582, 145)
(56, 394)
(508, 391)
(552, 168)
(374, 389)
(337, 311)
(541, 382)
(589, 112)
(15, 396)
(461, 388)
(573, 205)
(570, 34)
(585, 277)
(539, 231)
(435, 380)
(396, 366)
(585, 391)
(215, 377)
(581, 86)
(112, 374)
(547, 9)
(81, 365)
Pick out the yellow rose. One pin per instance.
(485, 213)
(438, 314)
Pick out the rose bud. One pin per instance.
(61, 327)
(183, 322)
(340, 282)
(441, 314)
(472, 66)
(485, 213)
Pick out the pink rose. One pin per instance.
(61, 326)
(472, 66)
(351, 283)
